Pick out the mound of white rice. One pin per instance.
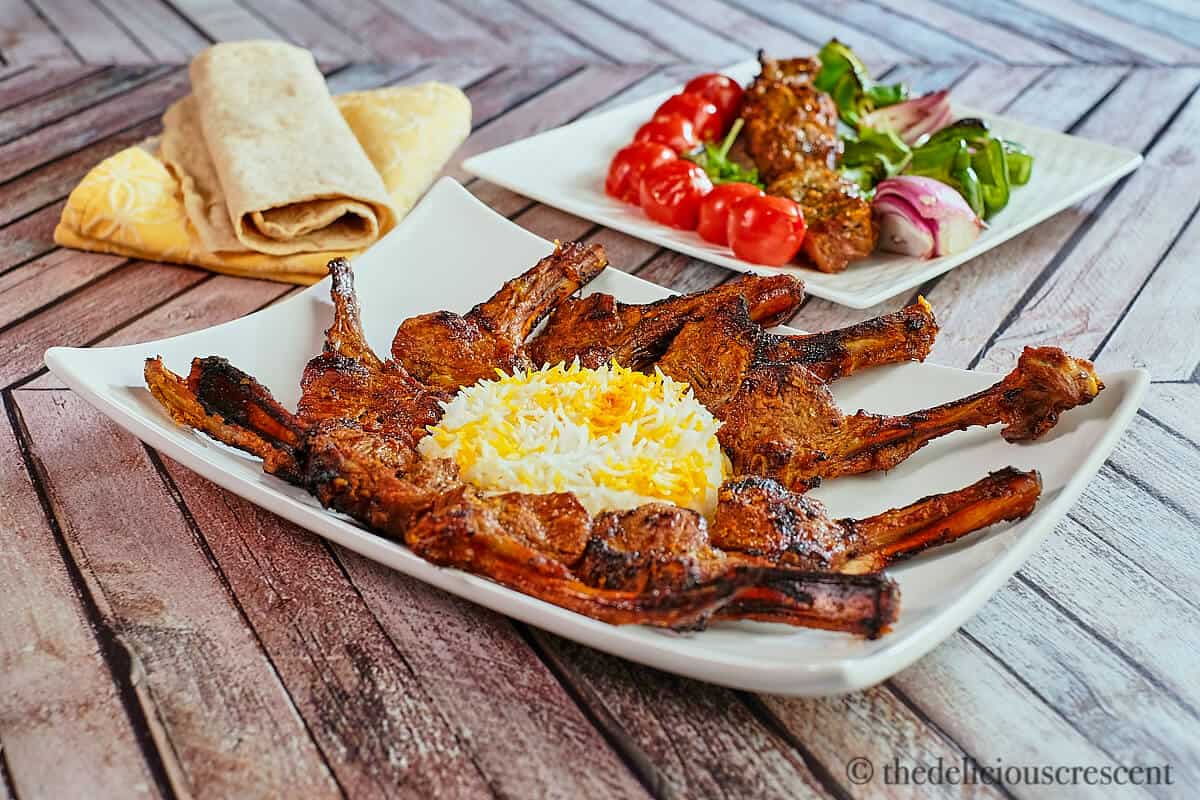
(614, 437)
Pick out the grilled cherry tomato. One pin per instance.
(673, 130)
(624, 180)
(766, 230)
(701, 112)
(720, 90)
(713, 223)
(671, 193)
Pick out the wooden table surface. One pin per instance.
(159, 636)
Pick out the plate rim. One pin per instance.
(846, 674)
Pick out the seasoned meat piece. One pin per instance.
(789, 123)
(791, 134)
(841, 228)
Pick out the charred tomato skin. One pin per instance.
(766, 230)
(625, 173)
(671, 193)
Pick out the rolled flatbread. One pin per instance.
(265, 160)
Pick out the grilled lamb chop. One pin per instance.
(780, 420)
(447, 351)
(353, 446)
(598, 329)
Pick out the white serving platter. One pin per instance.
(453, 251)
(565, 168)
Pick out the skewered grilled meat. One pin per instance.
(780, 420)
(353, 446)
(791, 134)
(789, 122)
(841, 228)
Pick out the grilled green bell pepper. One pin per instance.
(991, 166)
(1020, 162)
(875, 155)
(949, 161)
(995, 165)
(846, 79)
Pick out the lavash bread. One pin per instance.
(265, 160)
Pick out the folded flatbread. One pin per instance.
(266, 161)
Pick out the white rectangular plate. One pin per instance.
(452, 252)
(565, 168)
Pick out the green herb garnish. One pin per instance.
(715, 160)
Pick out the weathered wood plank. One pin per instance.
(1121, 513)
(506, 88)
(520, 31)
(76, 131)
(1118, 707)
(59, 696)
(1173, 405)
(1082, 299)
(998, 41)
(674, 32)
(89, 314)
(816, 26)
(1026, 21)
(747, 29)
(93, 33)
(224, 20)
(924, 78)
(35, 189)
(995, 86)
(26, 38)
(523, 729)
(1175, 23)
(1161, 329)
(39, 80)
(1152, 626)
(959, 685)
(385, 36)
(224, 721)
(218, 299)
(29, 237)
(165, 35)
(1153, 46)
(872, 724)
(40, 282)
(616, 41)
(555, 105)
(303, 26)
(418, 719)
(453, 32)
(921, 42)
(106, 85)
(691, 739)
(1163, 463)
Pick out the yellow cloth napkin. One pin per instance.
(132, 206)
